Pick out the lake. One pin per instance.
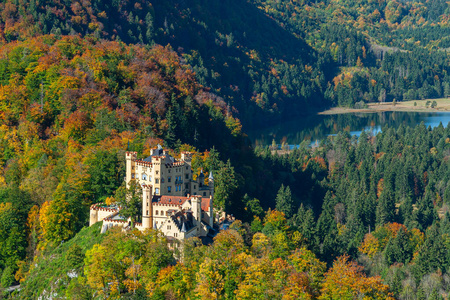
(318, 127)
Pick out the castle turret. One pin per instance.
(201, 178)
(147, 209)
(130, 158)
(93, 216)
(211, 184)
(211, 212)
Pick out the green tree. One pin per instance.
(130, 200)
(105, 175)
(12, 237)
(385, 212)
(398, 249)
(7, 277)
(304, 221)
(225, 185)
(284, 201)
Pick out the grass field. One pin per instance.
(443, 104)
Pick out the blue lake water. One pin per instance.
(318, 127)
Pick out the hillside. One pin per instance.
(235, 49)
(70, 108)
(268, 58)
(57, 270)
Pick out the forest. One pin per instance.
(270, 59)
(355, 217)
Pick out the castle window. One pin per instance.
(157, 172)
(132, 175)
(156, 180)
(168, 227)
(169, 189)
(156, 213)
(195, 186)
(168, 171)
(187, 176)
(162, 179)
(186, 186)
(132, 168)
(204, 193)
(147, 212)
(169, 179)
(150, 178)
(186, 167)
(144, 177)
(157, 191)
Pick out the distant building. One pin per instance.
(173, 202)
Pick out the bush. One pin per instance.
(434, 104)
(7, 277)
(360, 104)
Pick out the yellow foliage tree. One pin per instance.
(345, 280)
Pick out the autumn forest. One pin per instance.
(81, 82)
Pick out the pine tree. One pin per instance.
(284, 201)
(225, 185)
(386, 208)
(398, 249)
(304, 221)
(170, 136)
(425, 213)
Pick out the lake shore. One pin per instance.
(443, 105)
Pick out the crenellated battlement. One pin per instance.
(103, 208)
(165, 185)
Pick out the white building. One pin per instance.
(172, 201)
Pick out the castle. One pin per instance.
(172, 201)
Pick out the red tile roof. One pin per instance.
(178, 201)
(205, 204)
(174, 200)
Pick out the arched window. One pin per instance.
(144, 176)
(156, 212)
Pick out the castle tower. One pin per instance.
(197, 209)
(93, 218)
(147, 209)
(211, 184)
(201, 178)
(130, 158)
(211, 212)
